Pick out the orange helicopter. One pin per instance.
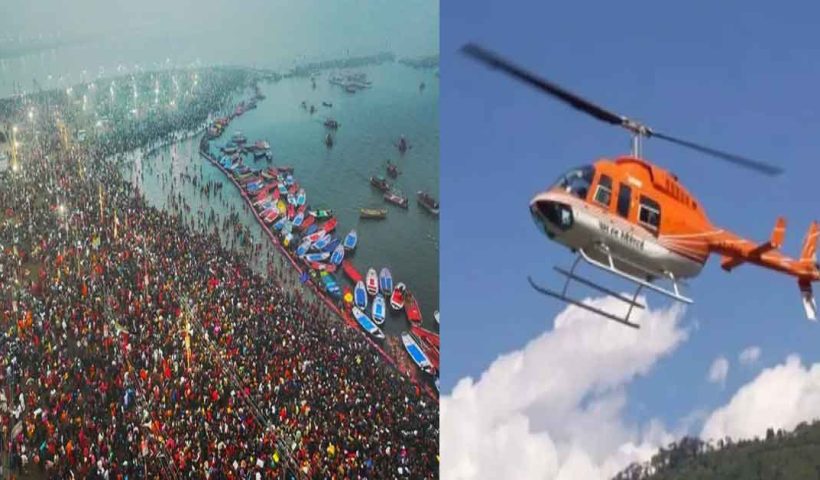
(635, 220)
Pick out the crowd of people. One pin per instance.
(135, 346)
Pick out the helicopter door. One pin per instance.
(624, 200)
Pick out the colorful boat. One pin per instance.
(291, 211)
(314, 234)
(416, 353)
(303, 248)
(360, 295)
(301, 198)
(322, 242)
(308, 222)
(378, 310)
(298, 219)
(351, 272)
(372, 281)
(397, 298)
(291, 199)
(338, 255)
(411, 308)
(331, 246)
(329, 225)
(321, 213)
(271, 216)
(351, 239)
(386, 281)
(280, 223)
(429, 343)
(281, 206)
(347, 295)
(366, 323)
(317, 257)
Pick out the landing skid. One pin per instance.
(633, 303)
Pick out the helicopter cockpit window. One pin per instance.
(603, 194)
(578, 181)
(649, 213)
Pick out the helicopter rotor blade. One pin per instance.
(494, 60)
(758, 166)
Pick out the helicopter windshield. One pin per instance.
(577, 181)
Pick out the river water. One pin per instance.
(337, 178)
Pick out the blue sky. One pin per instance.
(741, 76)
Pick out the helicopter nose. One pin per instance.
(551, 216)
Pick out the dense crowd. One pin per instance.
(135, 347)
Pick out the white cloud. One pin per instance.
(749, 355)
(780, 397)
(554, 408)
(719, 370)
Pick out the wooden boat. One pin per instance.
(330, 225)
(397, 298)
(322, 242)
(360, 295)
(347, 295)
(281, 206)
(350, 240)
(380, 183)
(303, 248)
(426, 336)
(308, 221)
(411, 309)
(428, 202)
(317, 257)
(416, 353)
(334, 242)
(429, 343)
(311, 229)
(301, 197)
(351, 272)
(321, 213)
(280, 223)
(396, 199)
(271, 216)
(338, 255)
(366, 323)
(291, 211)
(372, 282)
(373, 213)
(386, 281)
(298, 219)
(378, 310)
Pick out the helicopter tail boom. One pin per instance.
(736, 251)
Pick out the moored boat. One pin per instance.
(329, 225)
(416, 353)
(301, 197)
(397, 298)
(373, 213)
(308, 222)
(322, 242)
(396, 198)
(350, 240)
(372, 281)
(360, 295)
(380, 183)
(338, 255)
(303, 248)
(351, 272)
(428, 202)
(378, 310)
(298, 219)
(366, 323)
(411, 308)
(321, 213)
(317, 257)
(386, 281)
